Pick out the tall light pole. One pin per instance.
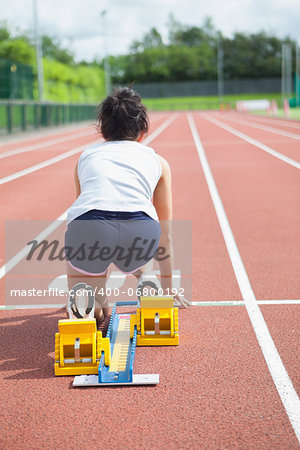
(286, 72)
(39, 53)
(220, 68)
(106, 57)
(297, 77)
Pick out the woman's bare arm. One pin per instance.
(162, 200)
(77, 184)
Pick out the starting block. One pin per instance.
(156, 321)
(78, 347)
(81, 350)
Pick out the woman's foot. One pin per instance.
(99, 316)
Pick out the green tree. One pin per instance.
(52, 49)
(252, 56)
(17, 49)
(4, 32)
(152, 39)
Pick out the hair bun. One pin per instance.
(127, 93)
(122, 115)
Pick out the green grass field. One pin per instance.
(189, 103)
(166, 104)
(294, 113)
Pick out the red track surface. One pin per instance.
(216, 390)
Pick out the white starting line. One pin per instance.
(203, 303)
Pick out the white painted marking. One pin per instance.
(252, 141)
(160, 129)
(277, 370)
(253, 124)
(241, 302)
(72, 152)
(275, 121)
(41, 306)
(137, 379)
(22, 253)
(203, 303)
(43, 132)
(25, 250)
(42, 165)
(278, 302)
(43, 145)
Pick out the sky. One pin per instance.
(88, 34)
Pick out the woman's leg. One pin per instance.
(97, 284)
(147, 268)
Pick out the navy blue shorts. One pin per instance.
(96, 239)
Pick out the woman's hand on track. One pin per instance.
(181, 302)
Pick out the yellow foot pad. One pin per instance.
(156, 321)
(78, 347)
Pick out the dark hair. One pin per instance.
(122, 116)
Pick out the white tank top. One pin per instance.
(117, 176)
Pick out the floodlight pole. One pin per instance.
(106, 57)
(286, 72)
(297, 77)
(289, 83)
(39, 53)
(220, 69)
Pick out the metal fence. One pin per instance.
(207, 88)
(16, 80)
(20, 115)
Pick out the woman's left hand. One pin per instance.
(181, 302)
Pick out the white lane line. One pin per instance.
(241, 302)
(203, 303)
(279, 302)
(23, 253)
(252, 141)
(277, 370)
(43, 145)
(160, 129)
(43, 164)
(69, 153)
(259, 126)
(275, 121)
(43, 132)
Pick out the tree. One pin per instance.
(52, 49)
(152, 39)
(252, 56)
(191, 36)
(4, 33)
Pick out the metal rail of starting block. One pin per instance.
(120, 370)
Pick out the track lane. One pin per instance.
(264, 127)
(41, 136)
(277, 370)
(259, 139)
(16, 164)
(20, 200)
(288, 125)
(260, 195)
(213, 277)
(215, 391)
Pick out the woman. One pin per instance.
(113, 219)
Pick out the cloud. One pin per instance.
(80, 25)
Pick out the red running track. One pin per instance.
(216, 389)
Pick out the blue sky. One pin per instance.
(79, 24)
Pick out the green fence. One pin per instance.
(16, 80)
(22, 115)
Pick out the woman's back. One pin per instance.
(117, 176)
